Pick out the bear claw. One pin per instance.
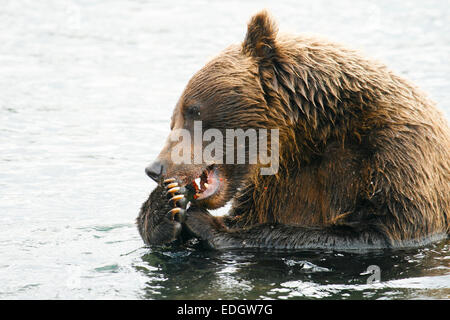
(177, 214)
(176, 198)
(172, 185)
(174, 189)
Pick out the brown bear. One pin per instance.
(364, 156)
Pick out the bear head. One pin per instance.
(226, 94)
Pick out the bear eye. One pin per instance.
(193, 111)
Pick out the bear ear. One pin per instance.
(261, 33)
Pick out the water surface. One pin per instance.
(86, 93)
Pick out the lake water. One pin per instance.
(86, 93)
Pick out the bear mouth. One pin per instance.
(207, 184)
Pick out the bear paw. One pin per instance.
(179, 198)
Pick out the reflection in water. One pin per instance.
(199, 274)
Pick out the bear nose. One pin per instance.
(155, 170)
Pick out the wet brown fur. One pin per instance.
(358, 144)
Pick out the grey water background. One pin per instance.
(86, 93)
